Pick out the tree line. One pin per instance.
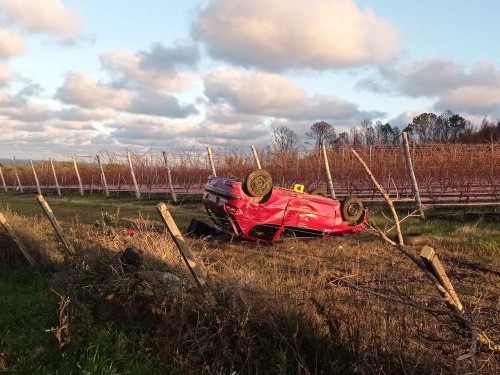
(448, 127)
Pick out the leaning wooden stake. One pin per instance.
(16, 239)
(3, 180)
(17, 176)
(136, 186)
(80, 185)
(211, 160)
(52, 218)
(409, 165)
(186, 254)
(432, 274)
(55, 177)
(169, 178)
(256, 157)
(429, 256)
(36, 177)
(103, 177)
(328, 174)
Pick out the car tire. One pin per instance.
(258, 183)
(352, 210)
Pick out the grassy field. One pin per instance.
(349, 304)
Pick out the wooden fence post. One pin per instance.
(55, 177)
(256, 157)
(409, 165)
(169, 177)
(78, 176)
(103, 176)
(431, 260)
(211, 160)
(328, 174)
(36, 177)
(16, 239)
(3, 180)
(52, 218)
(186, 254)
(136, 186)
(17, 176)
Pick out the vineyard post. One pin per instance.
(409, 165)
(211, 160)
(187, 256)
(169, 177)
(256, 157)
(136, 186)
(328, 174)
(17, 175)
(52, 218)
(55, 177)
(103, 176)
(36, 177)
(16, 239)
(78, 176)
(3, 180)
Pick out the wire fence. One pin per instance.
(446, 173)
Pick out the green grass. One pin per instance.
(256, 315)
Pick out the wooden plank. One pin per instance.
(16, 239)
(432, 261)
(52, 218)
(186, 254)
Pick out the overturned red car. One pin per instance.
(255, 210)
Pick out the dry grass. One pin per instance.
(294, 307)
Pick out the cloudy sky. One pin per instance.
(84, 76)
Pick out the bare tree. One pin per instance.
(284, 139)
(323, 133)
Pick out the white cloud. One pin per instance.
(50, 16)
(10, 44)
(6, 75)
(128, 67)
(476, 100)
(277, 35)
(272, 95)
(81, 90)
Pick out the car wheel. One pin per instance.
(258, 183)
(352, 210)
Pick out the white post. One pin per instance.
(211, 160)
(3, 180)
(36, 177)
(80, 185)
(103, 176)
(136, 186)
(328, 174)
(409, 165)
(17, 176)
(55, 177)
(169, 177)
(256, 157)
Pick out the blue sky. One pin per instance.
(86, 76)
